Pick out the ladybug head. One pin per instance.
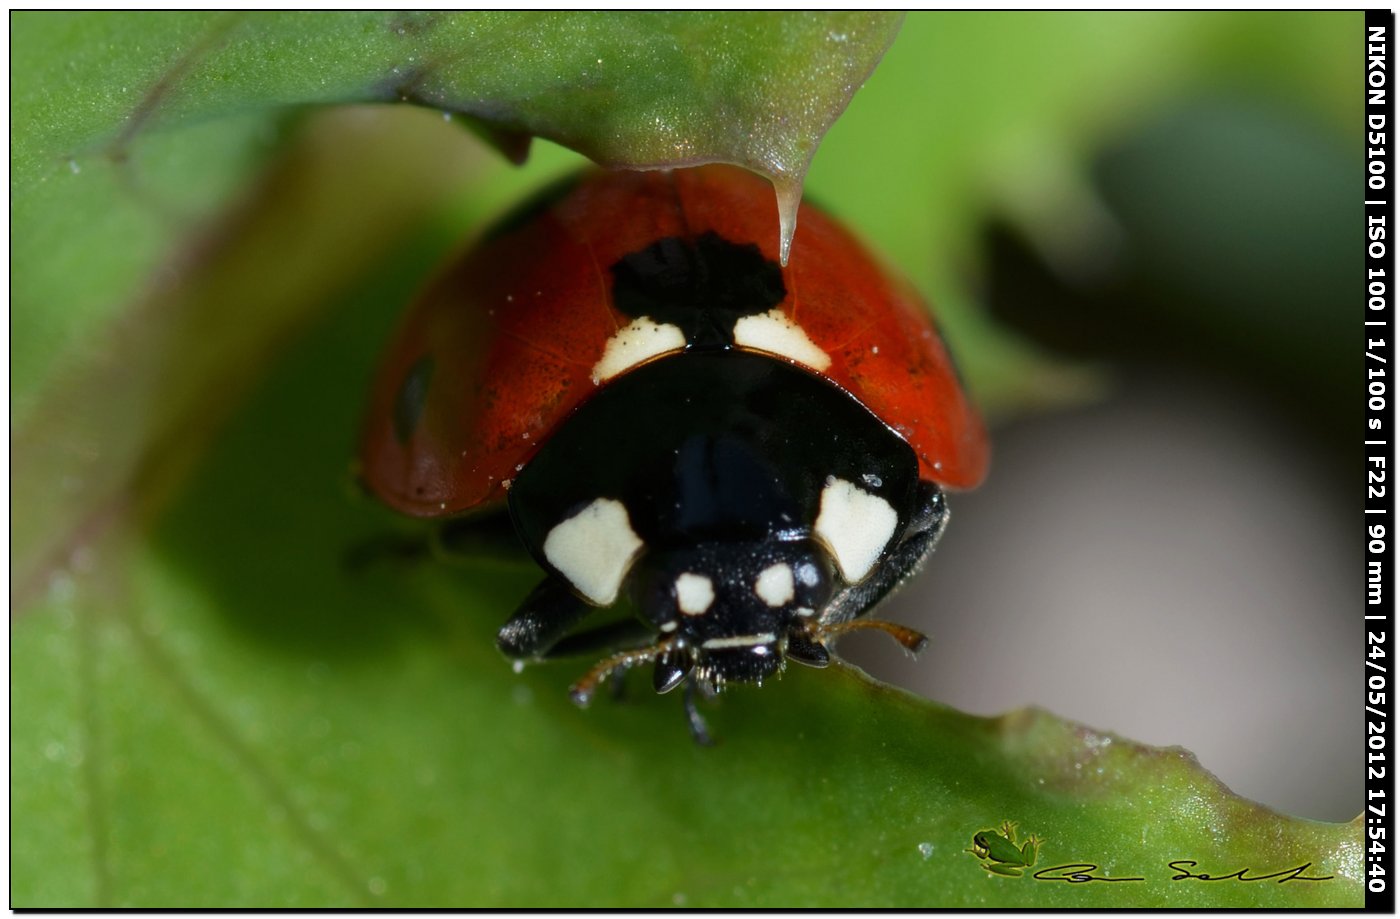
(731, 611)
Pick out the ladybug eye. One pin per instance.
(808, 575)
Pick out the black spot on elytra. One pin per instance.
(703, 285)
(412, 396)
(533, 206)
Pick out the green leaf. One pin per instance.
(626, 89)
(634, 90)
(223, 715)
(211, 711)
(247, 742)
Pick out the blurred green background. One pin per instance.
(1135, 231)
(1173, 558)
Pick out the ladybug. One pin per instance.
(623, 378)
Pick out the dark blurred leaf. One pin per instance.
(1225, 248)
(972, 112)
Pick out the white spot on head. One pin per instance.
(694, 593)
(774, 585)
(777, 334)
(638, 341)
(739, 641)
(855, 525)
(594, 548)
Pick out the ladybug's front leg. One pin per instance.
(546, 616)
(699, 730)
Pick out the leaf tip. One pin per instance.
(789, 193)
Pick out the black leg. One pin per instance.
(547, 614)
(480, 537)
(386, 548)
(628, 634)
(803, 648)
(699, 730)
(672, 668)
(605, 639)
(919, 539)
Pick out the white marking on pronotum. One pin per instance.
(855, 525)
(638, 341)
(777, 334)
(594, 548)
(694, 593)
(774, 585)
(739, 641)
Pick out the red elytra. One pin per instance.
(512, 330)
